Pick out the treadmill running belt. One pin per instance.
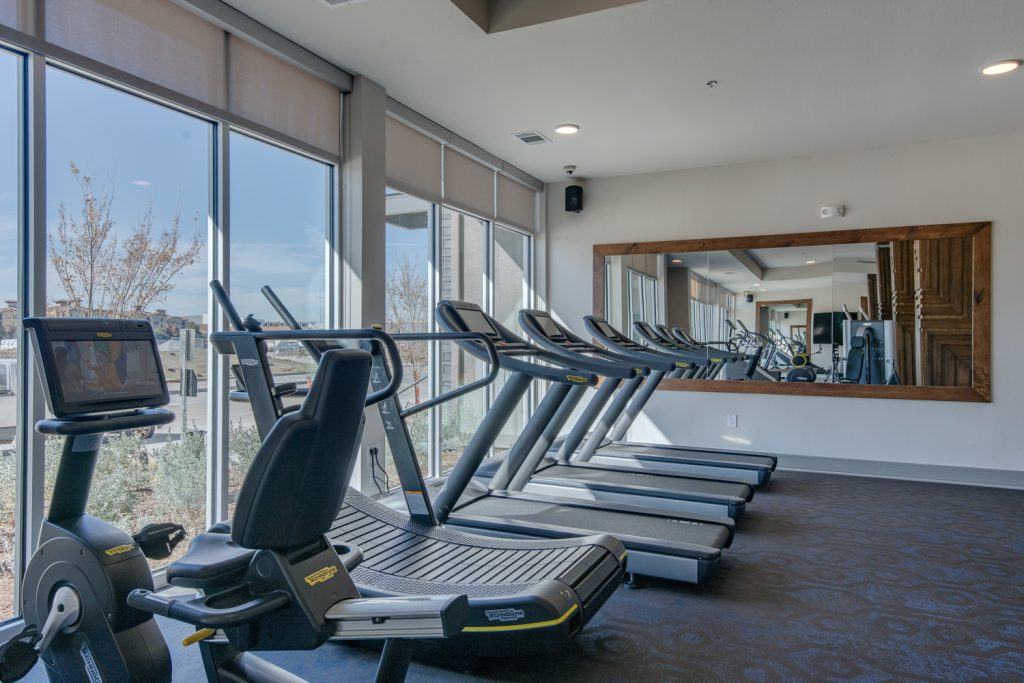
(406, 557)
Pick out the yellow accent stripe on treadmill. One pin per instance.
(522, 627)
(623, 556)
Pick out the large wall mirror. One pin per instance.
(884, 312)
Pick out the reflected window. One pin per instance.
(642, 302)
(128, 191)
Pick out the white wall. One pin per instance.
(948, 182)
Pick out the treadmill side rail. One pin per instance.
(431, 616)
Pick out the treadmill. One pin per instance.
(555, 472)
(676, 546)
(530, 595)
(673, 546)
(605, 446)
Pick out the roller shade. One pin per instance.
(272, 92)
(17, 14)
(468, 185)
(152, 39)
(516, 204)
(412, 161)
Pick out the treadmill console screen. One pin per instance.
(476, 321)
(549, 327)
(94, 365)
(606, 329)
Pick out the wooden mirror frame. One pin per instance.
(981, 254)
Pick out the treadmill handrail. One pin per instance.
(601, 366)
(539, 337)
(492, 364)
(224, 339)
(557, 371)
(315, 351)
(625, 344)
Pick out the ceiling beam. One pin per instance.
(748, 261)
(494, 16)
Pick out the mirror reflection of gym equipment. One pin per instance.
(886, 313)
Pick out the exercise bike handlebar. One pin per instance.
(198, 613)
(98, 424)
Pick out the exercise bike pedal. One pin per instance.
(157, 541)
(18, 655)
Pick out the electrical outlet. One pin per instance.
(730, 420)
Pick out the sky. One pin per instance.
(141, 153)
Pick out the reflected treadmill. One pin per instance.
(677, 546)
(528, 595)
(605, 446)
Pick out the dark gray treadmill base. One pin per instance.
(508, 582)
(700, 489)
(659, 544)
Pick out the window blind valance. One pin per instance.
(412, 161)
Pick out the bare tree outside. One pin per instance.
(406, 301)
(111, 275)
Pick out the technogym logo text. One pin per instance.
(505, 615)
(321, 575)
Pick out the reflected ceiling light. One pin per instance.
(1003, 66)
(810, 262)
(677, 260)
(567, 129)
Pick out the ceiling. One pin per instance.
(795, 77)
(781, 269)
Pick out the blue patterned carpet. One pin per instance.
(830, 579)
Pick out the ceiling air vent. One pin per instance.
(342, 3)
(532, 137)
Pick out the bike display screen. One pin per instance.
(95, 365)
(103, 371)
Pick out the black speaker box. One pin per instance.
(750, 298)
(574, 199)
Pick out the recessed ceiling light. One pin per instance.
(730, 272)
(810, 262)
(1003, 66)
(567, 129)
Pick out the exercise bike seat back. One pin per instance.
(288, 498)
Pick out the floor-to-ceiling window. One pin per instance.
(462, 241)
(128, 189)
(510, 274)
(10, 65)
(280, 208)
(408, 308)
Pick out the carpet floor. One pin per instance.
(830, 578)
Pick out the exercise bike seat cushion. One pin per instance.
(212, 561)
